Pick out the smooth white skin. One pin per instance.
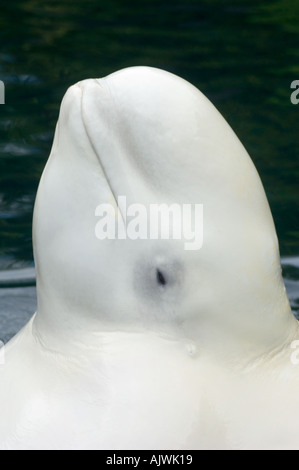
(112, 359)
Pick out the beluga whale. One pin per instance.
(138, 342)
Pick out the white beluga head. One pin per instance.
(152, 137)
(189, 347)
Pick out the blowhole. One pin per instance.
(161, 279)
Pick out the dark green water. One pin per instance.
(243, 55)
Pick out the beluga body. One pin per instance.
(142, 344)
